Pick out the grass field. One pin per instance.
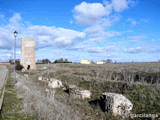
(139, 82)
(12, 104)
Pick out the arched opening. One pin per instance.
(28, 67)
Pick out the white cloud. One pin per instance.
(98, 16)
(71, 21)
(58, 52)
(44, 35)
(81, 46)
(5, 55)
(94, 31)
(1, 16)
(97, 33)
(145, 49)
(5, 51)
(120, 5)
(133, 50)
(153, 40)
(89, 13)
(135, 39)
(104, 55)
(7, 39)
(98, 49)
(144, 20)
(15, 19)
(52, 36)
(155, 50)
(94, 50)
(4, 58)
(133, 22)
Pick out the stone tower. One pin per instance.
(28, 56)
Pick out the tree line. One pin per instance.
(47, 61)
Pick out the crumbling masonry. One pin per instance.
(28, 57)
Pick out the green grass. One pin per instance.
(12, 105)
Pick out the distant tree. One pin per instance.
(17, 61)
(107, 61)
(61, 60)
(46, 61)
(56, 61)
(39, 61)
(66, 61)
(92, 62)
(11, 61)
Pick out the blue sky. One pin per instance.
(121, 30)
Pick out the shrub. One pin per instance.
(19, 67)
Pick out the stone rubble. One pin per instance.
(78, 93)
(54, 83)
(43, 79)
(114, 103)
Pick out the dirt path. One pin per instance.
(3, 73)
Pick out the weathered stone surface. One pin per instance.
(114, 103)
(72, 86)
(73, 91)
(28, 56)
(43, 78)
(78, 93)
(85, 94)
(40, 78)
(54, 83)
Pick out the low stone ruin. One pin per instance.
(40, 78)
(78, 93)
(25, 75)
(114, 103)
(85, 94)
(73, 91)
(43, 79)
(54, 83)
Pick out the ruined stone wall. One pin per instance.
(28, 56)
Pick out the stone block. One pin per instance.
(78, 93)
(114, 103)
(40, 78)
(54, 83)
(85, 94)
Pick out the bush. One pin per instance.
(19, 67)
